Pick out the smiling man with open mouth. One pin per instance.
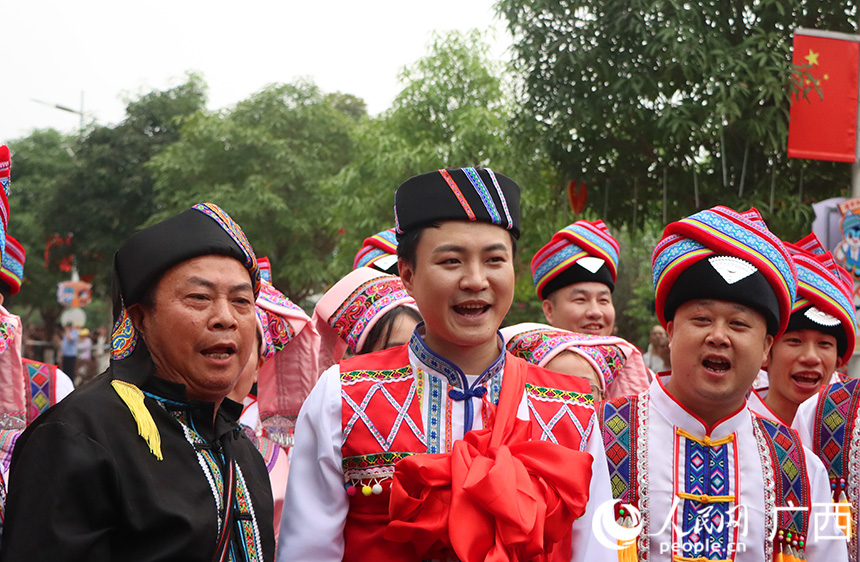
(147, 461)
(394, 449)
(688, 453)
(820, 334)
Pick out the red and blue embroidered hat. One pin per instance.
(722, 254)
(379, 252)
(5, 183)
(539, 344)
(12, 268)
(265, 269)
(279, 319)
(580, 252)
(468, 194)
(359, 300)
(825, 300)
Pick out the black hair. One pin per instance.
(147, 299)
(381, 331)
(407, 243)
(5, 291)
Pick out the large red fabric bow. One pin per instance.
(496, 497)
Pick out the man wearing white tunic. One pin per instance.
(828, 421)
(446, 406)
(711, 479)
(819, 338)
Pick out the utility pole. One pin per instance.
(70, 110)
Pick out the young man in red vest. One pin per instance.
(447, 447)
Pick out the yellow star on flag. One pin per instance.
(812, 57)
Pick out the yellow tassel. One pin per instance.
(843, 516)
(627, 553)
(778, 557)
(146, 428)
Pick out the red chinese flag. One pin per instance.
(823, 126)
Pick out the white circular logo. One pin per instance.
(612, 534)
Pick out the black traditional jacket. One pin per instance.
(84, 484)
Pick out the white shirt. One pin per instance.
(316, 503)
(805, 425)
(668, 467)
(757, 404)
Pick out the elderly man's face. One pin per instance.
(201, 328)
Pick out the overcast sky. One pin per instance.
(113, 50)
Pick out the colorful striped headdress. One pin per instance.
(5, 168)
(722, 254)
(265, 269)
(348, 311)
(279, 319)
(468, 194)
(5, 183)
(582, 251)
(825, 299)
(379, 252)
(12, 268)
(539, 344)
(289, 351)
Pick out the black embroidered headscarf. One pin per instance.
(204, 229)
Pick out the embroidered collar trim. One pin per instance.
(435, 363)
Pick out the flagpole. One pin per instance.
(853, 367)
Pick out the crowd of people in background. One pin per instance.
(403, 421)
(76, 350)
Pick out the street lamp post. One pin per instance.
(69, 109)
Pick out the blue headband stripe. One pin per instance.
(484, 193)
(502, 197)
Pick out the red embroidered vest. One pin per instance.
(382, 423)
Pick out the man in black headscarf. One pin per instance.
(147, 462)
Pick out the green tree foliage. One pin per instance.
(108, 194)
(454, 110)
(265, 162)
(451, 112)
(39, 162)
(696, 93)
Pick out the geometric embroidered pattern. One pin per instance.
(247, 524)
(353, 377)
(835, 422)
(484, 194)
(360, 414)
(235, 232)
(375, 466)
(205, 457)
(835, 442)
(434, 413)
(618, 419)
(362, 462)
(554, 395)
(7, 333)
(41, 388)
(563, 411)
(790, 478)
(8, 438)
(535, 345)
(609, 358)
(706, 525)
(352, 318)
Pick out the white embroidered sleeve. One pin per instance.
(586, 547)
(316, 503)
